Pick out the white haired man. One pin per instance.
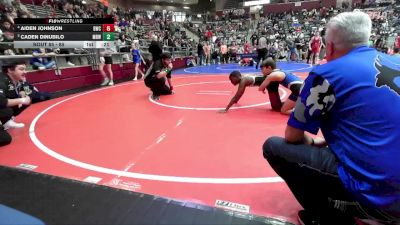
(354, 171)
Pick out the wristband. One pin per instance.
(167, 70)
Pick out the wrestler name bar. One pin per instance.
(68, 36)
(32, 28)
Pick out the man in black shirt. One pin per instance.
(254, 39)
(155, 49)
(200, 53)
(11, 102)
(158, 73)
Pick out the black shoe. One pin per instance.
(155, 97)
(306, 218)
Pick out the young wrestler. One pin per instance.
(288, 80)
(236, 78)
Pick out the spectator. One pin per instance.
(124, 45)
(190, 62)
(354, 170)
(106, 61)
(67, 58)
(396, 52)
(247, 48)
(254, 39)
(233, 50)
(137, 59)
(209, 34)
(224, 52)
(42, 63)
(200, 53)
(207, 52)
(397, 41)
(292, 51)
(8, 31)
(11, 102)
(215, 58)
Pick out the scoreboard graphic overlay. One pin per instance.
(64, 33)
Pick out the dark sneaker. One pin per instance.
(306, 219)
(155, 97)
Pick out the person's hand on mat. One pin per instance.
(222, 111)
(262, 89)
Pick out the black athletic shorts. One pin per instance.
(295, 88)
(108, 60)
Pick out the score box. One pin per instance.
(105, 44)
(108, 36)
(108, 28)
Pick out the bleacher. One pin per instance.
(85, 71)
(232, 4)
(44, 12)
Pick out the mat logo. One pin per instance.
(127, 185)
(232, 206)
(26, 166)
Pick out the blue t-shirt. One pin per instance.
(355, 101)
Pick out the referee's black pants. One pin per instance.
(261, 56)
(158, 86)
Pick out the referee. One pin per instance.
(159, 73)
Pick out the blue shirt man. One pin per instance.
(354, 99)
(358, 112)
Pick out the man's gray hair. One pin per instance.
(349, 30)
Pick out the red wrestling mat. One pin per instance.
(179, 147)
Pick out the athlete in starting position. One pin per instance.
(236, 78)
(288, 80)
